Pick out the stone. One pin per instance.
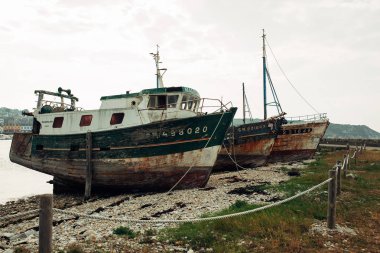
(18, 237)
(7, 236)
(30, 232)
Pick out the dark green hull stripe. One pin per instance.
(161, 138)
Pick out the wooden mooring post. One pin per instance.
(89, 172)
(45, 223)
(338, 177)
(345, 165)
(331, 209)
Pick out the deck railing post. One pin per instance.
(45, 223)
(89, 172)
(331, 210)
(338, 177)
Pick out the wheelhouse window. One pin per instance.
(117, 118)
(189, 103)
(85, 120)
(157, 102)
(172, 101)
(58, 121)
(185, 98)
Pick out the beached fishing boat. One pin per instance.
(149, 140)
(248, 144)
(299, 136)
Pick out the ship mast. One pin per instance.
(264, 77)
(243, 104)
(156, 57)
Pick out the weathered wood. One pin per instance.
(89, 170)
(345, 165)
(46, 223)
(338, 177)
(331, 209)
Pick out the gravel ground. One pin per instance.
(222, 190)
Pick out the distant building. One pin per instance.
(10, 129)
(26, 129)
(1, 130)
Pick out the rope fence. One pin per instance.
(46, 210)
(226, 216)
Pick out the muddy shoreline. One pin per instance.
(222, 190)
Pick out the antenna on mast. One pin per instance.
(156, 57)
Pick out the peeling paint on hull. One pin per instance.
(150, 173)
(148, 157)
(297, 141)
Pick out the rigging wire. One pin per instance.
(283, 72)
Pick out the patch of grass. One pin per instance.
(150, 232)
(124, 231)
(286, 226)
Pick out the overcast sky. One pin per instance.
(328, 49)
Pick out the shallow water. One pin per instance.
(17, 181)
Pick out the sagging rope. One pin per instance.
(138, 221)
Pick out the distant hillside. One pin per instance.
(345, 131)
(6, 112)
(340, 131)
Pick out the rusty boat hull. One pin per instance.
(151, 157)
(248, 145)
(298, 141)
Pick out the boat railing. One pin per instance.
(311, 117)
(59, 106)
(212, 105)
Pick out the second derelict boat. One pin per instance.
(249, 144)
